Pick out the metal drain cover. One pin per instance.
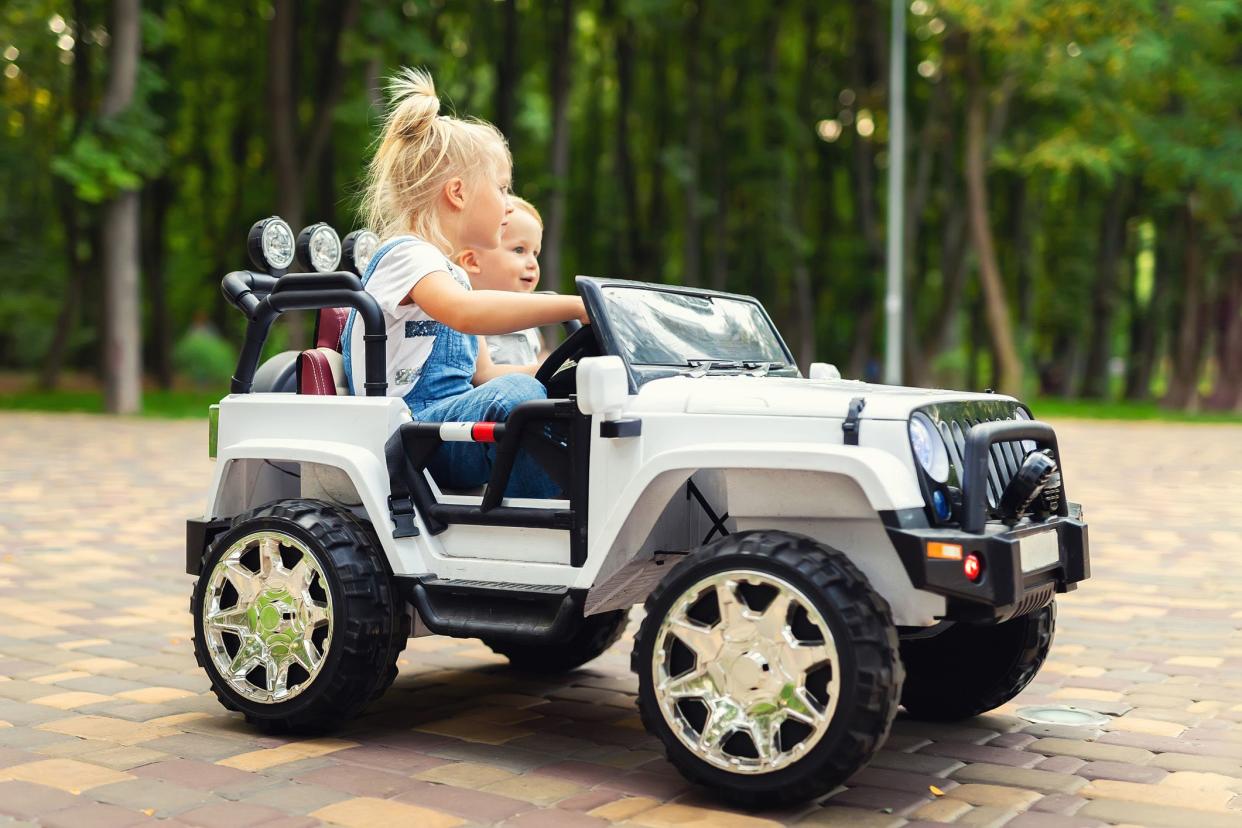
(1062, 714)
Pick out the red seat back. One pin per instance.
(329, 327)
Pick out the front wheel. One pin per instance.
(768, 667)
(295, 620)
(972, 668)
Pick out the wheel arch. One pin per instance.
(834, 495)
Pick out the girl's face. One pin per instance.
(487, 211)
(514, 265)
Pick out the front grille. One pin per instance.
(954, 420)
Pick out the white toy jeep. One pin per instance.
(811, 552)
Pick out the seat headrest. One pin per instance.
(330, 326)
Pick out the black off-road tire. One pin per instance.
(595, 634)
(371, 624)
(972, 668)
(866, 640)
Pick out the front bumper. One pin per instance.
(1005, 589)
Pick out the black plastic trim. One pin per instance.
(1004, 584)
(198, 536)
(614, 429)
(498, 612)
(262, 298)
(979, 441)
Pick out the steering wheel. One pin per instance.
(567, 353)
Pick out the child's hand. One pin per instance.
(582, 312)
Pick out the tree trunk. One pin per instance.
(996, 305)
(865, 72)
(632, 258)
(122, 345)
(282, 109)
(1227, 395)
(507, 72)
(1188, 339)
(1146, 323)
(692, 236)
(1104, 297)
(159, 198)
(75, 235)
(562, 57)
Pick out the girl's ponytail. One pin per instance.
(420, 150)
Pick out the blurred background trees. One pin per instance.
(1073, 203)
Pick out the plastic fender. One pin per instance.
(884, 481)
(366, 471)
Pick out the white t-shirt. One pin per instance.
(411, 332)
(520, 348)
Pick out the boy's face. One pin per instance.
(514, 265)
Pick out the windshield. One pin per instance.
(655, 327)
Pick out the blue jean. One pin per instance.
(467, 465)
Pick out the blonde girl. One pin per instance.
(436, 185)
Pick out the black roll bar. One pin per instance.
(979, 442)
(262, 298)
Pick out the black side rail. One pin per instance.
(410, 448)
(978, 449)
(262, 298)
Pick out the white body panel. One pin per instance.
(767, 451)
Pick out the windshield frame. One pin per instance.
(592, 291)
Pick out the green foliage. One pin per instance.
(114, 154)
(204, 357)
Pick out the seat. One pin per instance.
(321, 370)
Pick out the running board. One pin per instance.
(495, 610)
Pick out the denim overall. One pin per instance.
(444, 392)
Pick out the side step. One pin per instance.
(527, 613)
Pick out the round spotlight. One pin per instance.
(929, 448)
(358, 248)
(270, 245)
(319, 247)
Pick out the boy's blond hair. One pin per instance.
(420, 151)
(525, 206)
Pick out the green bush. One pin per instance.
(204, 357)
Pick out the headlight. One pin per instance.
(270, 245)
(320, 247)
(929, 448)
(358, 248)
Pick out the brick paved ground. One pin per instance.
(105, 720)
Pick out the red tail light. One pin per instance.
(972, 566)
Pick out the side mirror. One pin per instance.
(824, 371)
(603, 386)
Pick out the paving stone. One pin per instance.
(1092, 751)
(1157, 816)
(357, 780)
(67, 774)
(1064, 804)
(230, 815)
(967, 752)
(26, 799)
(1207, 800)
(941, 810)
(1035, 780)
(900, 802)
(1033, 819)
(684, 816)
(366, 812)
(95, 815)
(162, 798)
(898, 780)
(915, 763)
(476, 806)
(1122, 772)
(296, 798)
(1000, 796)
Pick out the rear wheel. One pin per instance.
(595, 634)
(972, 668)
(768, 667)
(295, 620)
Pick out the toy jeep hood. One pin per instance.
(792, 397)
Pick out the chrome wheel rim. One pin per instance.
(267, 617)
(754, 688)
